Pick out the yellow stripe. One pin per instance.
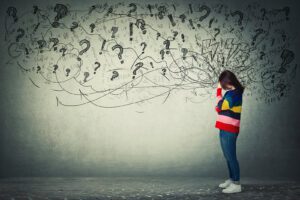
(236, 109)
(225, 106)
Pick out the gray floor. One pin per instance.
(141, 188)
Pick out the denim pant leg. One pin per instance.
(228, 144)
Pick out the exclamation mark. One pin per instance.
(131, 30)
(172, 20)
(102, 47)
(182, 37)
(191, 23)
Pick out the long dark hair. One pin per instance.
(228, 77)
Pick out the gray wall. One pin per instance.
(42, 137)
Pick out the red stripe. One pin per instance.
(218, 109)
(227, 127)
(219, 92)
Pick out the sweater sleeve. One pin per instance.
(223, 102)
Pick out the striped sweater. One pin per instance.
(229, 109)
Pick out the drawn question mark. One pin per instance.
(207, 12)
(144, 46)
(161, 11)
(12, 12)
(117, 46)
(38, 69)
(55, 68)
(167, 43)
(63, 50)
(287, 57)
(68, 71)
(86, 75)
(42, 44)
(20, 35)
(114, 30)
(61, 11)
(138, 66)
(98, 65)
(217, 32)
(115, 75)
(184, 51)
(92, 27)
(140, 23)
(74, 26)
(55, 42)
(88, 45)
(164, 70)
(240, 14)
(175, 34)
(133, 9)
(182, 17)
(258, 32)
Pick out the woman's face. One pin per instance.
(228, 87)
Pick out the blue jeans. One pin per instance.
(228, 144)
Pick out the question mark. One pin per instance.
(68, 71)
(55, 42)
(55, 68)
(207, 9)
(258, 32)
(287, 57)
(175, 34)
(182, 17)
(240, 14)
(164, 71)
(63, 50)
(88, 45)
(61, 11)
(74, 26)
(22, 33)
(12, 11)
(217, 32)
(138, 66)
(98, 65)
(86, 74)
(115, 75)
(42, 44)
(167, 43)
(140, 23)
(145, 45)
(117, 46)
(114, 29)
(131, 10)
(184, 51)
(38, 69)
(92, 27)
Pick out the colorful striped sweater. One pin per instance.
(229, 109)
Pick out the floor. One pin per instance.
(114, 188)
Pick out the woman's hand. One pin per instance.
(219, 85)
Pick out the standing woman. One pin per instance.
(229, 109)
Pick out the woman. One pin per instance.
(229, 109)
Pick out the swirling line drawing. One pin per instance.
(150, 51)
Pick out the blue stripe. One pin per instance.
(230, 113)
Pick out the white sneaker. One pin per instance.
(226, 183)
(232, 188)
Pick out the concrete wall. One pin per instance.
(42, 137)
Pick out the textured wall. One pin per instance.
(106, 89)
